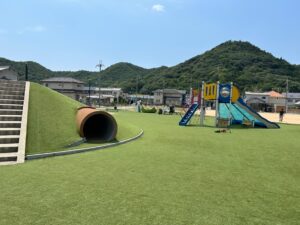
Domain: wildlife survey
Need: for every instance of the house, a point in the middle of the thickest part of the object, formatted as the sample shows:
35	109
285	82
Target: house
106	95
267	101
6	73
146	99
66	85
169	97
293	98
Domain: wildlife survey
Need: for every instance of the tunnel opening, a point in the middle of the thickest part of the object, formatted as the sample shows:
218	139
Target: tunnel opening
96	126
100	127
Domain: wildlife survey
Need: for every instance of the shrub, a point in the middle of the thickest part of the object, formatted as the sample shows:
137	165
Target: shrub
148	110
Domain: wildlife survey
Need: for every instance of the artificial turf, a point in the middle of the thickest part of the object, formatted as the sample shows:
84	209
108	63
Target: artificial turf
51	122
172	175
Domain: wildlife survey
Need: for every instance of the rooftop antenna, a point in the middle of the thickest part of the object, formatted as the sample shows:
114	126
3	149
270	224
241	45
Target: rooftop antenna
100	65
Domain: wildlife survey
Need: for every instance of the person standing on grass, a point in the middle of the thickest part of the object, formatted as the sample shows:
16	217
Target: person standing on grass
281	113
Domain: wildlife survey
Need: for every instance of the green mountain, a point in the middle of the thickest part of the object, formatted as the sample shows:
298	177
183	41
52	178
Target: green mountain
241	62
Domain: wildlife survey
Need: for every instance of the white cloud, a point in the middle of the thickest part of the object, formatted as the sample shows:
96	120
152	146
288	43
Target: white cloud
35	29
158	8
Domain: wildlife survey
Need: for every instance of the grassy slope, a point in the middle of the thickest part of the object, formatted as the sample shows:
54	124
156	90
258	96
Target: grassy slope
172	175
52	122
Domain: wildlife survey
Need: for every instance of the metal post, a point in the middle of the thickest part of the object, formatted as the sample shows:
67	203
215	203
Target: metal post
286	97
202	112
191	96
99	92
89	102
217	104
231	87
137	87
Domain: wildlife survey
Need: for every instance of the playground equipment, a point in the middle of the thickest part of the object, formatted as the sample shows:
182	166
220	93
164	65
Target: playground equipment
195	102
230	107
96	125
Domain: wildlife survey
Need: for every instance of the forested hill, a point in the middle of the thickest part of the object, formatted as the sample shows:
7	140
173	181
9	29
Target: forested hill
241	62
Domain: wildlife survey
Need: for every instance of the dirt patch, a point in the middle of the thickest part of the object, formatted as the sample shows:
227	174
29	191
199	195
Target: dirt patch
274	117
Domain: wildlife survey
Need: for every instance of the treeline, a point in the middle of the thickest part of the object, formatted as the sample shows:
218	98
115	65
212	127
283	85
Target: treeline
241	62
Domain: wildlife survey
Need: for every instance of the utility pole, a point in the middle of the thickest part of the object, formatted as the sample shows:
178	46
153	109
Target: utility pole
100	65
89	102
137	87
287	92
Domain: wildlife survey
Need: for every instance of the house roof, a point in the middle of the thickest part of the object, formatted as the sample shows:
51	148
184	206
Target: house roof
102	89
170	91
275	94
63	80
110	89
257	93
4	68
292	95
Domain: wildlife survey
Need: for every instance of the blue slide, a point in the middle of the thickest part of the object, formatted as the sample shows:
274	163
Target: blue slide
239	111
189	114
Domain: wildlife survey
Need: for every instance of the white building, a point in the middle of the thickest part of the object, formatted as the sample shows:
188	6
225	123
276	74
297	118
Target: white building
169	97
66	85
105	95
293	98
6	73
146	99
115	92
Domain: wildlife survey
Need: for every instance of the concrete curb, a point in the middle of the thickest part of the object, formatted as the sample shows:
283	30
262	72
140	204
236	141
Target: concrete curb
74	151
23	131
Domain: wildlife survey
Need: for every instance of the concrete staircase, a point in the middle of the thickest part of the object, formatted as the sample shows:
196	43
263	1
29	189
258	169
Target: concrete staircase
14	97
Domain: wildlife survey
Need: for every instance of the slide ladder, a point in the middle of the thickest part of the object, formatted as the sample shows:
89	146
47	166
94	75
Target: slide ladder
189	114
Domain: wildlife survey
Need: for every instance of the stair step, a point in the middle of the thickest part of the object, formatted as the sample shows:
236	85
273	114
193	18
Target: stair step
8	150
8	157
11	106
12	88
8	160
10	118
12	82
10	124
4	85
11	101
9	131
4	92
10	112
9	139
15	97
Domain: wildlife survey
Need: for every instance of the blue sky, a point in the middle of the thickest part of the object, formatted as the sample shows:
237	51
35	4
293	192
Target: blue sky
75	34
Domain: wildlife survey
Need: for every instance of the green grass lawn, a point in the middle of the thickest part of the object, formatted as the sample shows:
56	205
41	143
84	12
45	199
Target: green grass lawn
172	175
51	122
